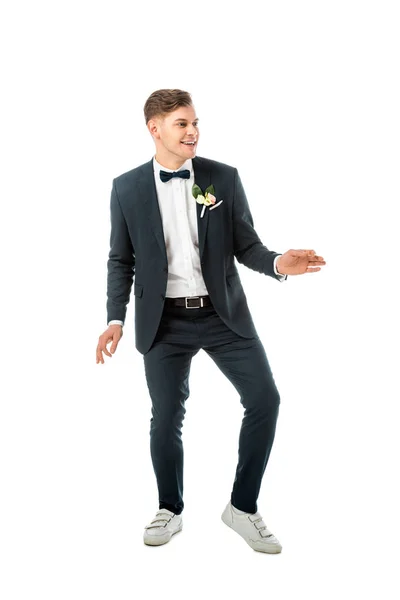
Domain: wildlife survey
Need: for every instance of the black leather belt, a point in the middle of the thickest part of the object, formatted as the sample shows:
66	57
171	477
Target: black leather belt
189	301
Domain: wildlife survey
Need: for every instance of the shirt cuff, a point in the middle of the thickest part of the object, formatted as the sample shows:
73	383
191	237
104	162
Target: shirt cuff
115	322
280	275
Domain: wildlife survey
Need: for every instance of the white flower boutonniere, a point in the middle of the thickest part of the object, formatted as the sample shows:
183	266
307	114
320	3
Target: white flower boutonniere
207	199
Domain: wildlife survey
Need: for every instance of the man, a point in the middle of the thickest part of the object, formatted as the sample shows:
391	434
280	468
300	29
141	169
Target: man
177	224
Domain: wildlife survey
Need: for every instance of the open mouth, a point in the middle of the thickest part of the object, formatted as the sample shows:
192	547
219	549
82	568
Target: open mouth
189	143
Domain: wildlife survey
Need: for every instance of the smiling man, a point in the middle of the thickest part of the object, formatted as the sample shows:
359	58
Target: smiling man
177	135
178	222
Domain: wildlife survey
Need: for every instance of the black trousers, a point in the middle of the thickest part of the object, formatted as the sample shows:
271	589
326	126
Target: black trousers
181	334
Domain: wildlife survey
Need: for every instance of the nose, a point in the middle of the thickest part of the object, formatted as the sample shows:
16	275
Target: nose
192	130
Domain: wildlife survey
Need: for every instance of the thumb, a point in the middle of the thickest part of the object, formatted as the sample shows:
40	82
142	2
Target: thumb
114	344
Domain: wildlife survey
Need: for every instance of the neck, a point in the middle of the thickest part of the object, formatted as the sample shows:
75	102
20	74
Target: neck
173	163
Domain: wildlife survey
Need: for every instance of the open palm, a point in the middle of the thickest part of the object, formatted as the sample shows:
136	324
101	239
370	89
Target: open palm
297	262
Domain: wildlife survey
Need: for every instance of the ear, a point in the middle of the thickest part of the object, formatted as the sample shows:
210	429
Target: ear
152	126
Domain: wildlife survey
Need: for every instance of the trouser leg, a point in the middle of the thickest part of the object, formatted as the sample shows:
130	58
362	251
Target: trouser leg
245	364
167	368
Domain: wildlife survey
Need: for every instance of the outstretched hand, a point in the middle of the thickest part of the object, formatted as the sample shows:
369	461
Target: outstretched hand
297	262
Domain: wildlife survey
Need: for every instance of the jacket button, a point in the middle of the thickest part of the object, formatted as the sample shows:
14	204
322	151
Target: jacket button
165	269
162	296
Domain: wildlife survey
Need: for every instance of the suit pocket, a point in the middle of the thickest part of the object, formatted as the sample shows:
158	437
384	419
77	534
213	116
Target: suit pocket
138	289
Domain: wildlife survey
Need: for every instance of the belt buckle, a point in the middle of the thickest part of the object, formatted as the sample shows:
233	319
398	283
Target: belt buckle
191	298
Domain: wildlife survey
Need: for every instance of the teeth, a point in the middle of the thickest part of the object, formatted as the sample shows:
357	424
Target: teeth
189	143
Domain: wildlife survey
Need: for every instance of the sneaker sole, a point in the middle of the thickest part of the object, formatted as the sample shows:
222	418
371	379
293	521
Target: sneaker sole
160	540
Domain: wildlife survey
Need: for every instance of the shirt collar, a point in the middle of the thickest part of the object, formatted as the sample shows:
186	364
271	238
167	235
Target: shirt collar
186	165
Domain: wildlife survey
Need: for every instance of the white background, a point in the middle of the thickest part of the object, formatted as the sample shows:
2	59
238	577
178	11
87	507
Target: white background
303	98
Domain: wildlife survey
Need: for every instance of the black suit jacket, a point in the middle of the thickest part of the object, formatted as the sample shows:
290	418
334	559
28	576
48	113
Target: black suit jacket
138	253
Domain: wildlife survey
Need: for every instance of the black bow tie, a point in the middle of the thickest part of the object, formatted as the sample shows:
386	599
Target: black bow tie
167	175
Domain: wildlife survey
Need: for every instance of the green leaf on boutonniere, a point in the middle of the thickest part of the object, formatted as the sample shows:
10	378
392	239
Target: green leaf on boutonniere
210	190
196	191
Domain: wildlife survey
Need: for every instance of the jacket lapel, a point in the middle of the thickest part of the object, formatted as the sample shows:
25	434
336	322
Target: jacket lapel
148	192
202	177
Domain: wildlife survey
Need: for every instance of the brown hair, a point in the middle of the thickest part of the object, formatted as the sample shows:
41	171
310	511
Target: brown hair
162	102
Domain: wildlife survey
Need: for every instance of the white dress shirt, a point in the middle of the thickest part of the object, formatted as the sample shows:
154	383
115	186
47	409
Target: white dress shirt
179	219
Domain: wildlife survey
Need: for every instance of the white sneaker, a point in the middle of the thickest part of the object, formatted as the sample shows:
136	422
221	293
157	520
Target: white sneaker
162	528
252	529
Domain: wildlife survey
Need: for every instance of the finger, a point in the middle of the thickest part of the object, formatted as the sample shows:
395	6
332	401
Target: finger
99	356
312	269
103	346
302	253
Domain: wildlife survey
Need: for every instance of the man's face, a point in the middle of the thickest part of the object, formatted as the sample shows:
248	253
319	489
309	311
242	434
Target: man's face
171	134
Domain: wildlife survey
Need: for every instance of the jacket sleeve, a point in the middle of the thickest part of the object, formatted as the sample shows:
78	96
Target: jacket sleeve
121	262
247	246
